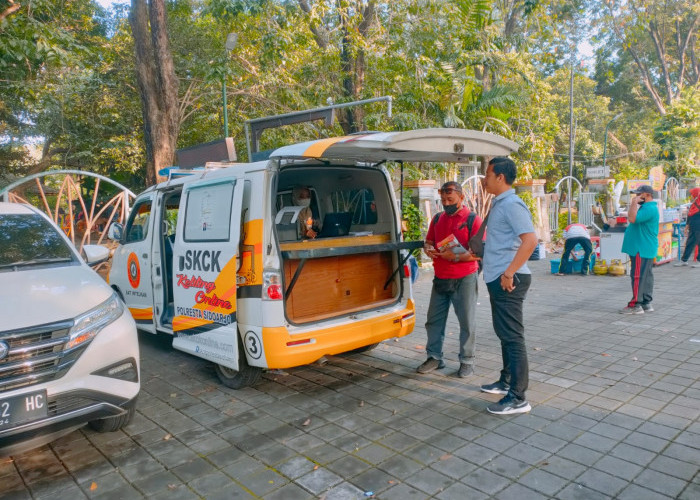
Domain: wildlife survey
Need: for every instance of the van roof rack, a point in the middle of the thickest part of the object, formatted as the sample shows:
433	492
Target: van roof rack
176	172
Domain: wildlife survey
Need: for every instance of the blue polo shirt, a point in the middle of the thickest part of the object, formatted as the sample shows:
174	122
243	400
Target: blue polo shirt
642	235
508	219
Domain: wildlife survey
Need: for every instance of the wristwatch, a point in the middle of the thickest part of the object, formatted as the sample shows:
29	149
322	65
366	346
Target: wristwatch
456	259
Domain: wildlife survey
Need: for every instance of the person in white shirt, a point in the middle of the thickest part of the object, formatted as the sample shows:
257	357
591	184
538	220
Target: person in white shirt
308	227
576	234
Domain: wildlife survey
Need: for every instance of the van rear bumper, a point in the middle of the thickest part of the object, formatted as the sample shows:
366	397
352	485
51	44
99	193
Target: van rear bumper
73	409
284	350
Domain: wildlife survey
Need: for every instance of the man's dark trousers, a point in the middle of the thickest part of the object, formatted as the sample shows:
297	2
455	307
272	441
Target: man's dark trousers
507	316
642	281
569	245
693	239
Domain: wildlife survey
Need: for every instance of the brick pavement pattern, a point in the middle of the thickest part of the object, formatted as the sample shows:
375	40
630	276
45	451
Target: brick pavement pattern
615	412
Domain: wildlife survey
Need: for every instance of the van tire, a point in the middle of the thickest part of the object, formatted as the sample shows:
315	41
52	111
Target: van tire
245	377
366	348
111	424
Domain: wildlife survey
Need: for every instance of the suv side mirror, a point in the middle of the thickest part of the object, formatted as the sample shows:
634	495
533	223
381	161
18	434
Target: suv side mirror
95	254
115	231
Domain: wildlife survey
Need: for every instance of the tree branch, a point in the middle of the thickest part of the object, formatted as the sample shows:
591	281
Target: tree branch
660	47
11	9
320	33
683	47
643	70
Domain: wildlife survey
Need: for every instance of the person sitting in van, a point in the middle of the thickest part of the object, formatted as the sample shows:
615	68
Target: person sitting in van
308	226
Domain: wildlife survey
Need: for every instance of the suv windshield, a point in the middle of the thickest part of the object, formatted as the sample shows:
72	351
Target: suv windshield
30	239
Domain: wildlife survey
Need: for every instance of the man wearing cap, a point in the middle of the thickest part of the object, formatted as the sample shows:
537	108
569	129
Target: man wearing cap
641	243
456	273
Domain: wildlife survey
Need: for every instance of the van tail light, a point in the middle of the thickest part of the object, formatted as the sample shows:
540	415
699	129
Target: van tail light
407	270
272	286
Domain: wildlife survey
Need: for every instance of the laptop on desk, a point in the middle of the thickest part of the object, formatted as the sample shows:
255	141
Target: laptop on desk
336	224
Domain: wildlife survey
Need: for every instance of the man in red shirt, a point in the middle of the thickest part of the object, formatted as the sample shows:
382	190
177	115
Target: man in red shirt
455	281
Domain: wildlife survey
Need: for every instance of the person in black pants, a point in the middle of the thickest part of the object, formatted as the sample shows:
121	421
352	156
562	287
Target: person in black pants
576	234
510	240
692	229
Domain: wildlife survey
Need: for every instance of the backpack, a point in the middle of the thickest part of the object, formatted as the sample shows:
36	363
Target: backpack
469	223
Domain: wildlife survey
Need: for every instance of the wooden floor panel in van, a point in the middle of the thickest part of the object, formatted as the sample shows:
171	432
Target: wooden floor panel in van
332	286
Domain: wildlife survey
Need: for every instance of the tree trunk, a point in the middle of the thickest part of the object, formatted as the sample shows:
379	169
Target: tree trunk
353	67
155	73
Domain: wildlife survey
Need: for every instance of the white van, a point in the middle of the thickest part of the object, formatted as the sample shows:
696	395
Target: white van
216	258
69	352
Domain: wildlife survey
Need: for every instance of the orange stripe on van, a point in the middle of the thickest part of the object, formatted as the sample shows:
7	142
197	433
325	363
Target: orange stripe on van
181	323
317	149
141	314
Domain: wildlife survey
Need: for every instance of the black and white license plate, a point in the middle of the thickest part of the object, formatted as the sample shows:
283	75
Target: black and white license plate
24	408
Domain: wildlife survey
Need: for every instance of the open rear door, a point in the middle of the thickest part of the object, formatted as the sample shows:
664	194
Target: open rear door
423	145
204	274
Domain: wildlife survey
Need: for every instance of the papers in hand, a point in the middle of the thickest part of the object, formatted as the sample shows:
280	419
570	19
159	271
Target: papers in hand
451	243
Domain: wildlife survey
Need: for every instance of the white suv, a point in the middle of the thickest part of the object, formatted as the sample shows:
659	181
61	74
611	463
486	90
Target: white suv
69	351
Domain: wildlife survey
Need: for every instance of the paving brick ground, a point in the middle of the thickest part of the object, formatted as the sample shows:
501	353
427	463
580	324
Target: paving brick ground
615	412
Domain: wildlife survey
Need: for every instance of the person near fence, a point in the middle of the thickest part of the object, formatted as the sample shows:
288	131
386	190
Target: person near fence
510	240
692	230
641	243
576	234
455	280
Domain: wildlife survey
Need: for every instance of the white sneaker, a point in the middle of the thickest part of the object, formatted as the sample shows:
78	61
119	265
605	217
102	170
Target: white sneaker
697	264
681	264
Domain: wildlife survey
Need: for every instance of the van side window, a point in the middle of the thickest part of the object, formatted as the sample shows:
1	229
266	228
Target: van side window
137	227
208	212
359	202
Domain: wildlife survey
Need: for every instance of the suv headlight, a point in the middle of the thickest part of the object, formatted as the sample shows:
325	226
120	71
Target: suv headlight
89	324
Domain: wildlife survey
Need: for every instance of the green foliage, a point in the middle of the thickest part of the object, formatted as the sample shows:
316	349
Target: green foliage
414	221
563	221
69	94
678	135
530	203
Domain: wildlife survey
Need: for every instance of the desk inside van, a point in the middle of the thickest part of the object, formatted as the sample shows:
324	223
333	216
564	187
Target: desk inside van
344	245
341	275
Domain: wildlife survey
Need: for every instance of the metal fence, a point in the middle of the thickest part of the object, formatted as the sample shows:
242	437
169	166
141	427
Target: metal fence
553	212
585	203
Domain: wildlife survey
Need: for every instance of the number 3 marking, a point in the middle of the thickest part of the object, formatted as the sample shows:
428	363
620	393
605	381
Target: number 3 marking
252	344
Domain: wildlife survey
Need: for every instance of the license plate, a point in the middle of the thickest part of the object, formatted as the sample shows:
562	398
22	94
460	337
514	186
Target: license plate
21	409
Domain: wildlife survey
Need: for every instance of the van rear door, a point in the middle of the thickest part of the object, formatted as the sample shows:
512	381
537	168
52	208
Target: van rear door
444	145
204	274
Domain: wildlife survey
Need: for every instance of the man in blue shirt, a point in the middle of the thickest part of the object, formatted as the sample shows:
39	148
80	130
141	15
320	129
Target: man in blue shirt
641	244
510	240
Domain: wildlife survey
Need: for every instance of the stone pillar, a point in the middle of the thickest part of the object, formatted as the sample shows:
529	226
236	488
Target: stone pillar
424	196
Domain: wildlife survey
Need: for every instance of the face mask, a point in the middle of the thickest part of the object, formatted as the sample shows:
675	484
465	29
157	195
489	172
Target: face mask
304	202
450	209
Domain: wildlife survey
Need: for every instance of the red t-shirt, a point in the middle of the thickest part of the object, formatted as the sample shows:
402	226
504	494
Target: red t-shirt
446	225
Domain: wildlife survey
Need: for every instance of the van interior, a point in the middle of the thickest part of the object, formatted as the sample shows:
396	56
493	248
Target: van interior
338	272
171	205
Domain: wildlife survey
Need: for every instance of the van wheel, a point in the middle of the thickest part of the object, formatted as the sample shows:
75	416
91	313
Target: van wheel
366	348
111	424
245	377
